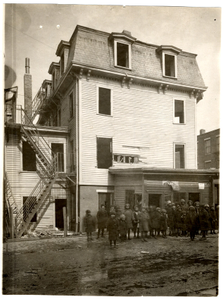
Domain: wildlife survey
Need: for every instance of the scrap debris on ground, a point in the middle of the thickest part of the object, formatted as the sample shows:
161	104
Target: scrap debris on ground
72	266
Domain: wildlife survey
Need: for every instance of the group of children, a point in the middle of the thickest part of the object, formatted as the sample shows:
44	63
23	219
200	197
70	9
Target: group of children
176	220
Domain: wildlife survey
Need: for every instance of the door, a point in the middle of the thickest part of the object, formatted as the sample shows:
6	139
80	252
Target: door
105	199
194	197
58	150
154	200
59	204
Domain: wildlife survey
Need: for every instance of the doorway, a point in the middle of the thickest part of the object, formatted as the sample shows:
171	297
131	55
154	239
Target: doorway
59	204
154	200
194	197
58	150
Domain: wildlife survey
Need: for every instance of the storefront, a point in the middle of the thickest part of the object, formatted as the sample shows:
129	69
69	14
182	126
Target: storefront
145	186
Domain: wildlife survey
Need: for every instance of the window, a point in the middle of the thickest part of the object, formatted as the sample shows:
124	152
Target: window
207	146
208	164
169	65
28	206
104	101
62	64
179	112
71	109
122	55
104	153
217	143
72	156
106	199
179	157
29	158
58	150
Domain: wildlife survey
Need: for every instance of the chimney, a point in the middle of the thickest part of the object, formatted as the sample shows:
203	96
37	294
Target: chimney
202	131
28	90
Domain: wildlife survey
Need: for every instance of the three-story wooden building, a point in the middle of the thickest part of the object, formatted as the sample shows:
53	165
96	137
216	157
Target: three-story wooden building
130	110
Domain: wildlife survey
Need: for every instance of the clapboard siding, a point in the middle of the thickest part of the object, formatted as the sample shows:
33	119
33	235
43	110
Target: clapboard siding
142	119
23	182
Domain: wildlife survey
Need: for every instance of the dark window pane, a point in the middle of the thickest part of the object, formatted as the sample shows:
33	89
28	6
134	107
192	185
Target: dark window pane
169	65
179	111
179	157
29	158
104	153
104	101
122	55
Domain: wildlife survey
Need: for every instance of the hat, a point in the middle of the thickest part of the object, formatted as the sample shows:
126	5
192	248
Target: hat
88	211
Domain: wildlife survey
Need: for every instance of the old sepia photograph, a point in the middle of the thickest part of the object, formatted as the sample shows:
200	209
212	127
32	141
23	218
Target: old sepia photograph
111	150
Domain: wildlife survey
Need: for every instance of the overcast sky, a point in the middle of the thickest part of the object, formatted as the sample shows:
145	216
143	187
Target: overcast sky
35	30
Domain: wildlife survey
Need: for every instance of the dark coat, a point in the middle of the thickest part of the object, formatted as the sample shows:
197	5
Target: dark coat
204	219
113	228
102	217
178	219
163	222
135	220
89	223
143	221
129	218
122	227
155	220
191	221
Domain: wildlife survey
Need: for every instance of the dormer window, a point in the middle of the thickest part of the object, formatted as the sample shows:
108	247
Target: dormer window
63	51
62	69
122	55
169	60
122	43
169	65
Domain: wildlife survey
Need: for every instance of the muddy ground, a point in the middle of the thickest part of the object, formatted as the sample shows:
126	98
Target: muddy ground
73	266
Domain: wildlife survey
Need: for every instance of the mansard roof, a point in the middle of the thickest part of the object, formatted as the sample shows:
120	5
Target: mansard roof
94	48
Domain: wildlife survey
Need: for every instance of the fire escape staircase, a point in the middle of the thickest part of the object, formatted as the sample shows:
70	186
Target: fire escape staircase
46	164
9	206
46	169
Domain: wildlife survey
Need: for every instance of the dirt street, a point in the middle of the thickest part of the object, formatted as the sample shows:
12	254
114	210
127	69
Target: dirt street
73	266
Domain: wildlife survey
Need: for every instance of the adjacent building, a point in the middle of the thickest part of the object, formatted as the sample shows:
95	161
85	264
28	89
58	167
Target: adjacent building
208	149
120	116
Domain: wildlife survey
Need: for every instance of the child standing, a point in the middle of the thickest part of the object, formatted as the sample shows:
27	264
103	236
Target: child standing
163	223
112	228
136	222
89	224
144	224
122	227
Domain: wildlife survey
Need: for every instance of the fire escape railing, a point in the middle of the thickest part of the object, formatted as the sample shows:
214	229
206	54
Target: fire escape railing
46	169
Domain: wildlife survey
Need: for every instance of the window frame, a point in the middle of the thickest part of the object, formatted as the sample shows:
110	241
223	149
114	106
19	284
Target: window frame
205	148
164	67
184	112
174	154
98	100
71	111
129	54
100	192
111	151
207	162
26	146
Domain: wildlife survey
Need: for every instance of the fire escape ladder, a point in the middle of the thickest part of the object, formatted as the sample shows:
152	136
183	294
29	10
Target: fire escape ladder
46	169
33	204
31	134
10	201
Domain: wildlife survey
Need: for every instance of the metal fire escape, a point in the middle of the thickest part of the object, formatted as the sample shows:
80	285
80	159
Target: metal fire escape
46	169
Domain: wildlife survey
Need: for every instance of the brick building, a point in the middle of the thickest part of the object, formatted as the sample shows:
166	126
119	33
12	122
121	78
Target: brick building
129	109
208	149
